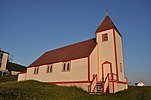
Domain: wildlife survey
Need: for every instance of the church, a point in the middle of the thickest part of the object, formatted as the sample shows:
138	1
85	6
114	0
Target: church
95	65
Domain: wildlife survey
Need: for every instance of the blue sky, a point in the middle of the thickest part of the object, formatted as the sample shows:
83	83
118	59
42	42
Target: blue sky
28	28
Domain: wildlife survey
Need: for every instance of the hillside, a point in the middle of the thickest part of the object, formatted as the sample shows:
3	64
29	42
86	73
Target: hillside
8	78
34	90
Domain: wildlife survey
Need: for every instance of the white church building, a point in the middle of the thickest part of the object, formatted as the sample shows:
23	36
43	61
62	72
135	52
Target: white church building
96	65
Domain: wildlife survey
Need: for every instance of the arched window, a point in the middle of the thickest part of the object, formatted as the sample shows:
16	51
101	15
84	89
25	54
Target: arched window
66	66
36	70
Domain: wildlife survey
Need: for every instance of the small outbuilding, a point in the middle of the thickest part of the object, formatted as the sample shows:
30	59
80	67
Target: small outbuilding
140	83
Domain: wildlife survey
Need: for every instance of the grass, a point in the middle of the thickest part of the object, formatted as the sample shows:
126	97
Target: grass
7	78
34	90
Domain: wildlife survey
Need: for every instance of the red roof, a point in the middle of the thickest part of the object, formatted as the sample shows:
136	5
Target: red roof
74	51
107	24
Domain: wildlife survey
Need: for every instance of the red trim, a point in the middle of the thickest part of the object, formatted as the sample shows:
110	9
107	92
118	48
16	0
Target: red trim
88	68
115	52
70	82
104	30
113	86
110	29
22	73
121	82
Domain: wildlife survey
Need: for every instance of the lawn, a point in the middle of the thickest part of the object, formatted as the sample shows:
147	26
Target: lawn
34	90
8	78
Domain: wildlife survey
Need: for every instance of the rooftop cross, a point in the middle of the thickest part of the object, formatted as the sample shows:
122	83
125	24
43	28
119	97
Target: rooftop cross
106	12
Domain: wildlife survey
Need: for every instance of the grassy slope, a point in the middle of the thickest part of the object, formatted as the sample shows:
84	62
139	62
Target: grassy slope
33	90
8	78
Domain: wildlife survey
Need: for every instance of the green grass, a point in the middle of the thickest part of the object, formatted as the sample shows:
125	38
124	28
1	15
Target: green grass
34	90
7	78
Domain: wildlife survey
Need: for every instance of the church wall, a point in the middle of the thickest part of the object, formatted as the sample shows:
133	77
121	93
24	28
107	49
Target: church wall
78	72
22	77
119	87
120	61
93	63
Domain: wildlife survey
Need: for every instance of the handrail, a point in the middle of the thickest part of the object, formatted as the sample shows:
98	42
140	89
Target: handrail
93	83
105	83
109	77
112	76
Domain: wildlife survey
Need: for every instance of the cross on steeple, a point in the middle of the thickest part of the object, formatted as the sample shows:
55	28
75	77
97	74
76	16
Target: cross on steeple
106	12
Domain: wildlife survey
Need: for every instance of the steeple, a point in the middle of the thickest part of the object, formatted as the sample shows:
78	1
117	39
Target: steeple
106	25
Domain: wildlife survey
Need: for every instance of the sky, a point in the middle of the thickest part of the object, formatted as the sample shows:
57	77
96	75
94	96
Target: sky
29	28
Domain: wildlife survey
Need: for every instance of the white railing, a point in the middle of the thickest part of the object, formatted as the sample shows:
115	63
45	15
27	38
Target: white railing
105	83
109	77
112	76
93	83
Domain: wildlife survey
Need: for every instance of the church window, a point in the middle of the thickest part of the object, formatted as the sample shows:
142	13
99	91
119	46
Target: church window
104	37
36	70
66	66
49	68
